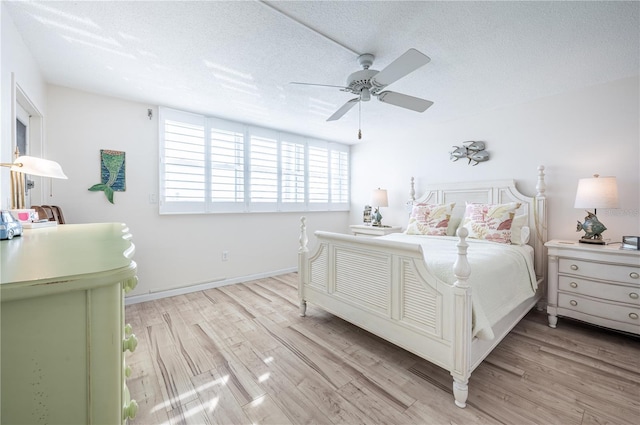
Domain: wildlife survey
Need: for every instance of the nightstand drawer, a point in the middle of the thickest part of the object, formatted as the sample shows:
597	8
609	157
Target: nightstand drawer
592	270
619	313
616	293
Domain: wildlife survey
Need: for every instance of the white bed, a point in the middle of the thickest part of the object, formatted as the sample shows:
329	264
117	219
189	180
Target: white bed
422	298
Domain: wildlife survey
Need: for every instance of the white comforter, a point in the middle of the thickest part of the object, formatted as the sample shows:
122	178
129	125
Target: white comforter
502	275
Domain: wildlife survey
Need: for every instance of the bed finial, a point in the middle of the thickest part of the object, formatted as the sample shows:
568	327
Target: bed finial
541	186
461	268
412	192
412	197
303	235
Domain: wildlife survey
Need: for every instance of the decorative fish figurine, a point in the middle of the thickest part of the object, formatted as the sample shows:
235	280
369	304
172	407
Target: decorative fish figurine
592	227
478	157
474	146
460	152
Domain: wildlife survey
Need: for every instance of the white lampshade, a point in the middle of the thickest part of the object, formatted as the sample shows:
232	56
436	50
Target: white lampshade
38	167
379	198
597	192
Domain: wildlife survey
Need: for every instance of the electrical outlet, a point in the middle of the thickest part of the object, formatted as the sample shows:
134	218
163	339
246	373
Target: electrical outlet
225	255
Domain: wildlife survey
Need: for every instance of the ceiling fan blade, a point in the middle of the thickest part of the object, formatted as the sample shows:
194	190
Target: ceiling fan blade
404	65
320	85
343	109
405	101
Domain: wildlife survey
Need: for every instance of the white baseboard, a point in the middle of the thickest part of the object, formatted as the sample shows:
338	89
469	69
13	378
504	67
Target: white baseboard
134	299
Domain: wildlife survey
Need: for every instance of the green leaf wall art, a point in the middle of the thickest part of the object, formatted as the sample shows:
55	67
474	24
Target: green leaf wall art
112	172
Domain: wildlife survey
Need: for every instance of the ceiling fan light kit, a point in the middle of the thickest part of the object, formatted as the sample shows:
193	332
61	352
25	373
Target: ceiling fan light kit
367	82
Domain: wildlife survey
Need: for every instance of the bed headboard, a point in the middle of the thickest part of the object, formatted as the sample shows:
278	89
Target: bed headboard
496	192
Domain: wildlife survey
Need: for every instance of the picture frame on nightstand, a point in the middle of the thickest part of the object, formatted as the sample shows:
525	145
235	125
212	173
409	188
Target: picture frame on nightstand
366	215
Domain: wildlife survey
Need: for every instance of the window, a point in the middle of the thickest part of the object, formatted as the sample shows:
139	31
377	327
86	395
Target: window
212	165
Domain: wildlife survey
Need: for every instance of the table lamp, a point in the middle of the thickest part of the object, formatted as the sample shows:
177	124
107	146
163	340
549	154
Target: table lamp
33	166
595	192
379	198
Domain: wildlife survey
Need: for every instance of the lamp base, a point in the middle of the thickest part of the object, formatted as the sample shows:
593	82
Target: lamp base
592	241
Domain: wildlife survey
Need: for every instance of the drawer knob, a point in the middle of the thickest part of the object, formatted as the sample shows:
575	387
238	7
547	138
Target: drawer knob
130	411
574	267
128	330
634	316
127	371
634	275
130	284
130	343
573	285
633	295
573	303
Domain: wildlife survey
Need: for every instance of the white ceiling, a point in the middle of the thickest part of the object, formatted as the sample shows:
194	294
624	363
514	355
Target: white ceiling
235	59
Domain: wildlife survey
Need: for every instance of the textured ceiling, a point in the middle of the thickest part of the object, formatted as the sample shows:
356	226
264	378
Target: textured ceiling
235	59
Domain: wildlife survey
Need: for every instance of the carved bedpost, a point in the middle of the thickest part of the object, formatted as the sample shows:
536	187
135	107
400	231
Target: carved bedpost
412	197
463	324
540	216
302	264
412	192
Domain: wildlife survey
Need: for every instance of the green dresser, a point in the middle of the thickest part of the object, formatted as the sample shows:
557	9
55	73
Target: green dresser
63	331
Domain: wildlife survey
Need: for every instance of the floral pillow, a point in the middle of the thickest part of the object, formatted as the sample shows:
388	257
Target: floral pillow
429	219
490	222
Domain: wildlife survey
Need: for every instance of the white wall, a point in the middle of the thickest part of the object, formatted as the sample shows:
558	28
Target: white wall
171	250
574	135
17	60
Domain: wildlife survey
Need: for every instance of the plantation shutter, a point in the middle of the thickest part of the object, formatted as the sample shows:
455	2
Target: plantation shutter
293	175
263	171
339	178
318	175
215	165
182	167
227	160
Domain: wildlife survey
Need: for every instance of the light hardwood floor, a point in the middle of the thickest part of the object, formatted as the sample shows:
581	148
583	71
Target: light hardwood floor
240	354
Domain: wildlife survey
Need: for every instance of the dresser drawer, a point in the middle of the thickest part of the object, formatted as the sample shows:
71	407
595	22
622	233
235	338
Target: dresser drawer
619	313
605	291
610	272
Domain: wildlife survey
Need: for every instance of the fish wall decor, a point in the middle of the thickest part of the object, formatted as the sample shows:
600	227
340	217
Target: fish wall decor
112	173
472	150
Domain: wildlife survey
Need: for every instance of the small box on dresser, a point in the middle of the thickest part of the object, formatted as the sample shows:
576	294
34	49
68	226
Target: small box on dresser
598	284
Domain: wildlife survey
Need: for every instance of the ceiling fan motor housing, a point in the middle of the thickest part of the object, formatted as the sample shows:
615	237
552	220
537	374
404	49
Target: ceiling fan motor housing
360	80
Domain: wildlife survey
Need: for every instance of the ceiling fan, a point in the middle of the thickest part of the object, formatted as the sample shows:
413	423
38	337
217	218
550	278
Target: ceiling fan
370	82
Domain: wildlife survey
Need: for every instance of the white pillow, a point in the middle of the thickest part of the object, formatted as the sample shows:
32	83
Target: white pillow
518	235
524	235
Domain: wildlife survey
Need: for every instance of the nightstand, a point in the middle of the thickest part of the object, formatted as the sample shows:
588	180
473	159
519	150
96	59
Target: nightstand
598	284
371	231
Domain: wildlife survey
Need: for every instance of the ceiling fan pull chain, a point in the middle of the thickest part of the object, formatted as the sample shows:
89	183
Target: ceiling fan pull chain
359	120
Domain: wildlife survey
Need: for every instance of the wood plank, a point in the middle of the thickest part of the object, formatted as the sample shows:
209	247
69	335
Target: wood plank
264	411
220	405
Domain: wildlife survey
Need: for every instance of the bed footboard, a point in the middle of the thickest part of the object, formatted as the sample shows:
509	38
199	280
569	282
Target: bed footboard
386	288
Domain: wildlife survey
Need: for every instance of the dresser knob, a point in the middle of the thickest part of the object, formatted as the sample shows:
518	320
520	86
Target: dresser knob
634	316
130	284
573	285
574	267
634	275
127	371
633	295
130	411
130	343
573	303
